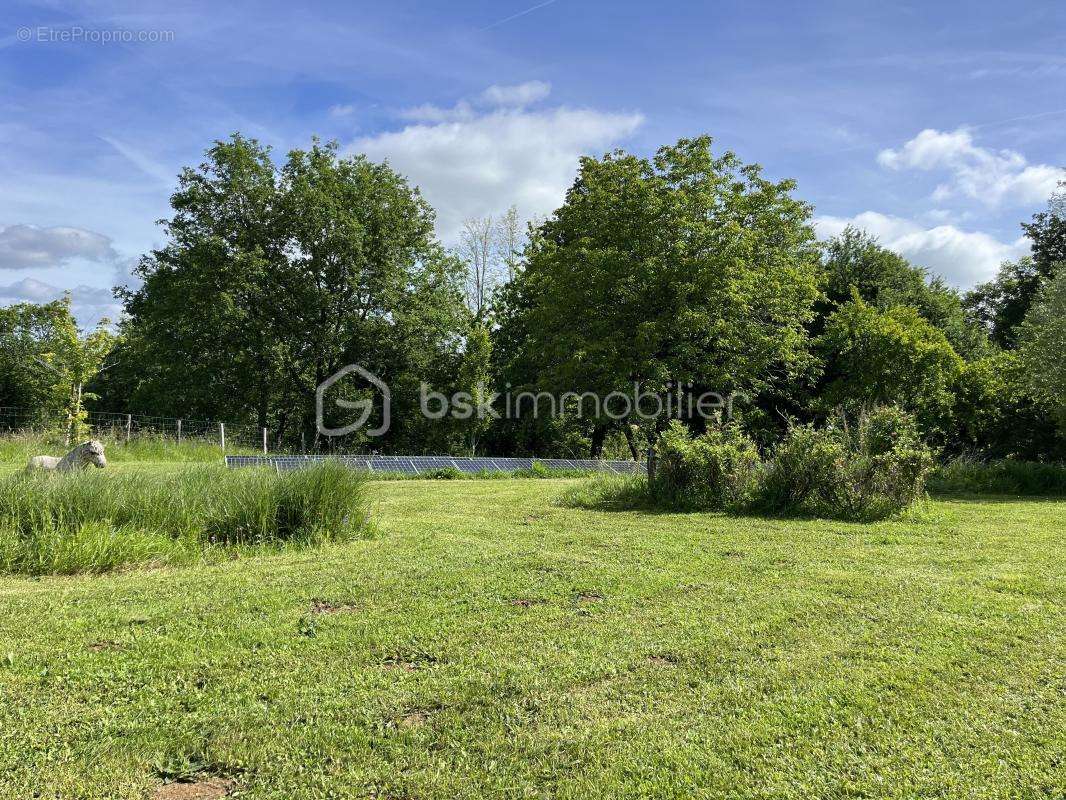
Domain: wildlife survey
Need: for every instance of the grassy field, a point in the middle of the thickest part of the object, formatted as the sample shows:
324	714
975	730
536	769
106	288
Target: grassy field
490	642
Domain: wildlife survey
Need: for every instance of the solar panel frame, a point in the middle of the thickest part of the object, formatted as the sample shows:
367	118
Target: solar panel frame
416	465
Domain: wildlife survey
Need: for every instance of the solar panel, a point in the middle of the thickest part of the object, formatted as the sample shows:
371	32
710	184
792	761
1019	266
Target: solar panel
415	465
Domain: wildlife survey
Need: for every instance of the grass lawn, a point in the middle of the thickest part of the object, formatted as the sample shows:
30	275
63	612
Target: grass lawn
492	643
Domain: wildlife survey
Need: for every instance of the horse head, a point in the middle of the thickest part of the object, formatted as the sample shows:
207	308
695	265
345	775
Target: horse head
92	452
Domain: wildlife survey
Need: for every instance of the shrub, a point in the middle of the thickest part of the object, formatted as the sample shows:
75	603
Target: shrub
718	470
868	468
1000	477
101	519
881	469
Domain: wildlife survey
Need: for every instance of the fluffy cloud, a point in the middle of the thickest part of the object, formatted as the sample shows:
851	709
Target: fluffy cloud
977	172
472	162
27	246
90	304
963	258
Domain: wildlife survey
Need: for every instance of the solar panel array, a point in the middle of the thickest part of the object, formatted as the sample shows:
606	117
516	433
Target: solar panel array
415	465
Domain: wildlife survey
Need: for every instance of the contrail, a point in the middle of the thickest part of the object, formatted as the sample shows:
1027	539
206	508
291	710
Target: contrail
516	16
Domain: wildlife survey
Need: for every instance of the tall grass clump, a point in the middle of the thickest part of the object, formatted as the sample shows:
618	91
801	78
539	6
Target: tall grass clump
17	447
92	521
1025	478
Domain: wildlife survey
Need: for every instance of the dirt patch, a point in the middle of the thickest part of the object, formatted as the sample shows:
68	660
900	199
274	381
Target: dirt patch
525	602
588	597
330	607
106	644
413	719
663	660
409	662
205	789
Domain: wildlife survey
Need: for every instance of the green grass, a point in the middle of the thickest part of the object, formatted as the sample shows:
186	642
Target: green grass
95	520
16	449
491	642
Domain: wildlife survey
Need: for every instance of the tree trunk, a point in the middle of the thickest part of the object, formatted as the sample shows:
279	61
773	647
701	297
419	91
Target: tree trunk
599	434
628	429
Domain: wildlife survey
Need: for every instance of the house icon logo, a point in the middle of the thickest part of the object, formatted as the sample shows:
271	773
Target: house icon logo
365	407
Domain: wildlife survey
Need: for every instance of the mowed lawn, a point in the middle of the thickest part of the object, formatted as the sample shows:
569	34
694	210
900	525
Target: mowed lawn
490	642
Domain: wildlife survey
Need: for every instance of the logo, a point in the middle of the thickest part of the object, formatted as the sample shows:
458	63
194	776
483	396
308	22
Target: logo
365	406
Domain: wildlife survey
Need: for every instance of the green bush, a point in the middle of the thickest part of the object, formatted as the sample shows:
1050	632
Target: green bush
867	468
879	470
99	519
1028	478
718	470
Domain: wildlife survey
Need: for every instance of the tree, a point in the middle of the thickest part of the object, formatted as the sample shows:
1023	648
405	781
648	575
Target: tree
275	278
1001	304
47	361
475	384
1042	347
885	279
891	357
477	248
684	269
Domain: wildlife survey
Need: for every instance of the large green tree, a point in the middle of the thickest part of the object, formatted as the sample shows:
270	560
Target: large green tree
885	279
687	268
893	357
273	278
1042	347
46	361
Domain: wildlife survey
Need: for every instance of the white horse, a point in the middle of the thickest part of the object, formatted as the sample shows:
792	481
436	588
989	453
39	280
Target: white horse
83	455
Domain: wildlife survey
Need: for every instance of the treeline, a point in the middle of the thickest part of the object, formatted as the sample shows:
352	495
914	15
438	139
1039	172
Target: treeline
686	269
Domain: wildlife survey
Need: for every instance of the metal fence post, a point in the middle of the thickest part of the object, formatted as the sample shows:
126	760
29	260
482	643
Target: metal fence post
129	427
222	434
179	431
264	441
652	464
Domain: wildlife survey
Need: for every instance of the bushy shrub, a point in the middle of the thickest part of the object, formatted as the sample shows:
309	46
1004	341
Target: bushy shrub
718	470
864	468
880	470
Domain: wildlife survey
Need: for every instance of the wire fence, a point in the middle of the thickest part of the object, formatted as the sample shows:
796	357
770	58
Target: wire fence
127	428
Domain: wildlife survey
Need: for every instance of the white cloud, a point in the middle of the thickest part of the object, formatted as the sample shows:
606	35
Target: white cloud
518	95
89	304
471	163
963	258
28	246
342	110
977	172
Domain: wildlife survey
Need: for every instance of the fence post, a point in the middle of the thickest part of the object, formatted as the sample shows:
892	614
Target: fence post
222	433
264	441
179	431
652	464
129	427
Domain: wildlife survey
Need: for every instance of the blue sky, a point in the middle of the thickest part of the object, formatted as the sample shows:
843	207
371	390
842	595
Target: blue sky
937	126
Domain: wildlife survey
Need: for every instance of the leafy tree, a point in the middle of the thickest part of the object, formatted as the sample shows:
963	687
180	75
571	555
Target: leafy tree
275	278
891	357
885	279
684	269
46	362
1042	347
995	417
1002	303
475	382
